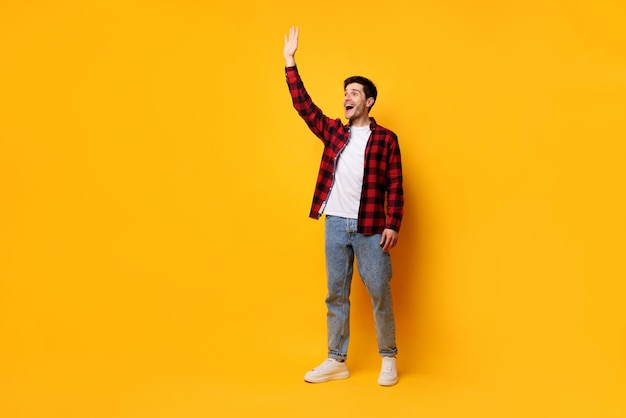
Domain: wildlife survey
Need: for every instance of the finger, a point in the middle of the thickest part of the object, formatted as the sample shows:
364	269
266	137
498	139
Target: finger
384	243
390	243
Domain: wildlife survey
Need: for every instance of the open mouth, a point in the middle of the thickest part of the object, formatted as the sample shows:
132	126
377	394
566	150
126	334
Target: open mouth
349	107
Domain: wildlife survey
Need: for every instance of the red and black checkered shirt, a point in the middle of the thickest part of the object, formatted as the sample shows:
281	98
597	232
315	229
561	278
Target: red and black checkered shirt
382	177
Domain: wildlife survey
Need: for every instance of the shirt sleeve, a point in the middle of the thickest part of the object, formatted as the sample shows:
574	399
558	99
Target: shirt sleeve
395	193
321	125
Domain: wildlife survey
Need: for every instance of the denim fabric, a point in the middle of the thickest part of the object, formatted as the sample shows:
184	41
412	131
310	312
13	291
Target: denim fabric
342	244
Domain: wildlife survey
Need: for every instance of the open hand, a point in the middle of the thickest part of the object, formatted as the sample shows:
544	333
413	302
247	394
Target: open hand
291	46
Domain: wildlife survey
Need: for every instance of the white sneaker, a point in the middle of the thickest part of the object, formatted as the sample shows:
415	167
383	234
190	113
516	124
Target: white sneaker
330	369
388	373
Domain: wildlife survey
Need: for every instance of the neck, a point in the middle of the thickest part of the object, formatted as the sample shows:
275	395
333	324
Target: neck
361	122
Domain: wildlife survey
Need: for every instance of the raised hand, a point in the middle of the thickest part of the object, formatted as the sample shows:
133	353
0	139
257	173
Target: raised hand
291	46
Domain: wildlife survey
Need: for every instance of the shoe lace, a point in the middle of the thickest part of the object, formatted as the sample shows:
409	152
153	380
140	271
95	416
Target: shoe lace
388	366
325	364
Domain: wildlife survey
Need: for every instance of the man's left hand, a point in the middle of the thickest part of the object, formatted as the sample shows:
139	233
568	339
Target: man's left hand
388	239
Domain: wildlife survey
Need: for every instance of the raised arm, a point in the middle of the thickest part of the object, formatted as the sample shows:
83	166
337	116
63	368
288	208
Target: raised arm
320	124
291	46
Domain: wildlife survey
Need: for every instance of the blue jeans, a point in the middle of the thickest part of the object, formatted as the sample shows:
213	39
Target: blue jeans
342	243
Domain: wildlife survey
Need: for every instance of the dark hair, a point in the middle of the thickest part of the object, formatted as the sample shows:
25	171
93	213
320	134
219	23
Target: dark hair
368	87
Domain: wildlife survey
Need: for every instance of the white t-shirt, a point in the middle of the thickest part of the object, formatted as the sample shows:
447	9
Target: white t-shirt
345	196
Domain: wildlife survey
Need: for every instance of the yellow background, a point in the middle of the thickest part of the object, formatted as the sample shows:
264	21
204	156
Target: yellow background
156	255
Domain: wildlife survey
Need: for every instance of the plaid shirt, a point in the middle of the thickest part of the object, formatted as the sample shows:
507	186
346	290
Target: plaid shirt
382	177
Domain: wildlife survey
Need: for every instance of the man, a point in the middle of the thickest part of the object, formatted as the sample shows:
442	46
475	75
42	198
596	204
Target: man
360	172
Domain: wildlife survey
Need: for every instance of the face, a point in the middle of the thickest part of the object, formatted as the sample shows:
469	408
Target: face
355	104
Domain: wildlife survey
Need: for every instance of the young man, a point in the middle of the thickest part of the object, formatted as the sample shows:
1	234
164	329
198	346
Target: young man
360	173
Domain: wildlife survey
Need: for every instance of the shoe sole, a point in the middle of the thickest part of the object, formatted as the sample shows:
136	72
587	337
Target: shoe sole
336	376
388	382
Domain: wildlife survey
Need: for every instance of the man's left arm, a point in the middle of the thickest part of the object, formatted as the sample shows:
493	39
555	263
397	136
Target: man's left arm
395	197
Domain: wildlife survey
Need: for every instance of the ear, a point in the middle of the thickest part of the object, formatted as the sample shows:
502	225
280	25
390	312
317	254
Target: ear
369	102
